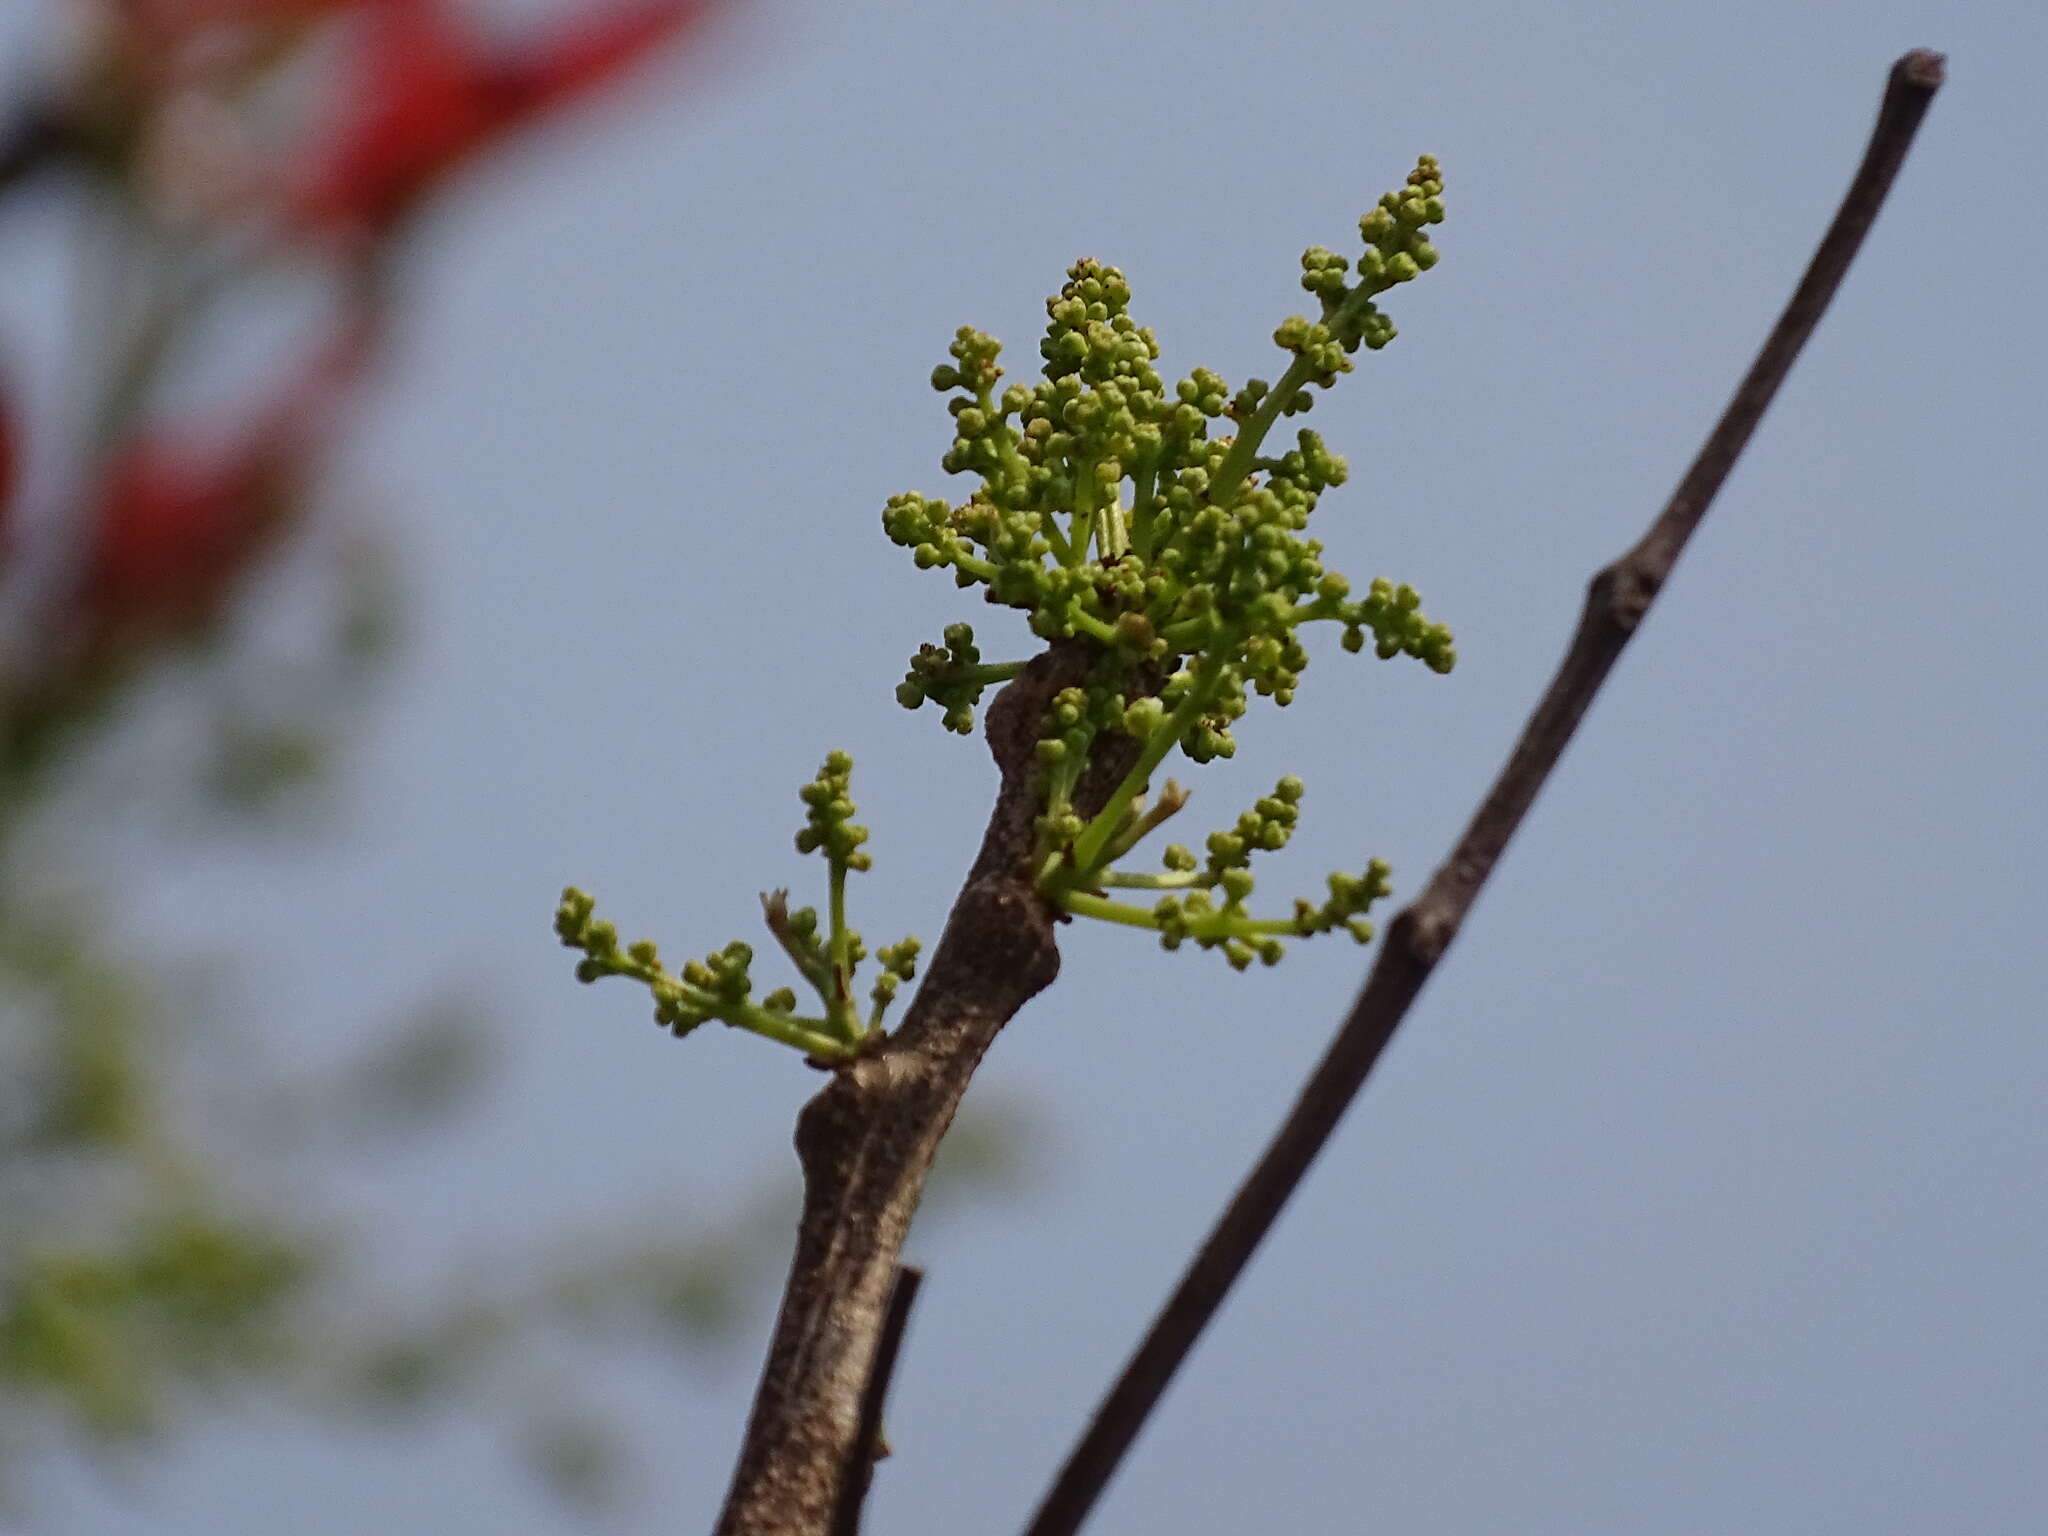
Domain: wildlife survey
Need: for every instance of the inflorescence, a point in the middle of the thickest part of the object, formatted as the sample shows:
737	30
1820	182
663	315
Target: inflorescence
1107	511
720	985
1110	516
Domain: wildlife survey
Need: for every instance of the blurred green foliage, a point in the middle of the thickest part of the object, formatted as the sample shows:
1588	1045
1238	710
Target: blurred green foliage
170	1233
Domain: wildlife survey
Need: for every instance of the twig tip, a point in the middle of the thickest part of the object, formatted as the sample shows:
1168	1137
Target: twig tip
1922	68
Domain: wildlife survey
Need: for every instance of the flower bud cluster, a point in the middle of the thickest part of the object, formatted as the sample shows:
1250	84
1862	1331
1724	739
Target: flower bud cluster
1265	828
1350	897
899	964
1152	521
948	676
707	988
1076	717
825	955
1107	509
829	825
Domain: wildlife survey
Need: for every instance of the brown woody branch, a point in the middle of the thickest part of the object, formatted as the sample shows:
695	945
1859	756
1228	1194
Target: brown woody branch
868	1445
1615	603
866	1142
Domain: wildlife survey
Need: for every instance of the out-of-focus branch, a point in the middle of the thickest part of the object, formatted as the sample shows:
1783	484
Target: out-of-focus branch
868	1446
1416	940
31	140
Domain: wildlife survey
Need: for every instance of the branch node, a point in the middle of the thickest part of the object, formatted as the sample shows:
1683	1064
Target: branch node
1622	592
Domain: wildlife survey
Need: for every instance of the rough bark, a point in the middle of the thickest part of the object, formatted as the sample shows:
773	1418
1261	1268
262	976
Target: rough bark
866	1141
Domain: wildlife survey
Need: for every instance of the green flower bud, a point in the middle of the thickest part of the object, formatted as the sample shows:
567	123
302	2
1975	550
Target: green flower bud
1143	717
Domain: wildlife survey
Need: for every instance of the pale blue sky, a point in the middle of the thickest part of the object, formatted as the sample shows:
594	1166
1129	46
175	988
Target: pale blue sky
1703	1191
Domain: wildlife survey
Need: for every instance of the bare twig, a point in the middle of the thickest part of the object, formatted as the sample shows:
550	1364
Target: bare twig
1417	938
867	1446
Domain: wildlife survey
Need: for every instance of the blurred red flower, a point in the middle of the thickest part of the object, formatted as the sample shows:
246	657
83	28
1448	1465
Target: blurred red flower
422	95
171	530
176	518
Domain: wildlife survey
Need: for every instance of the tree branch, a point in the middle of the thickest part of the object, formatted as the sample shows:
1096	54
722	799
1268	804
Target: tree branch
867	1445
866	1142
1615	603
32	140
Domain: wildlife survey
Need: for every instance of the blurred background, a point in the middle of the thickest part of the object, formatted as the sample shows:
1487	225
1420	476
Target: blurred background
441	451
